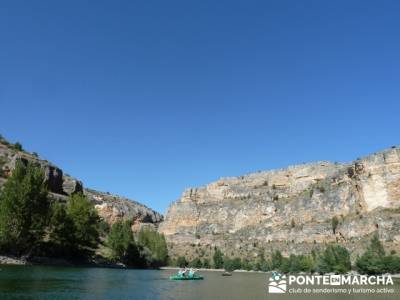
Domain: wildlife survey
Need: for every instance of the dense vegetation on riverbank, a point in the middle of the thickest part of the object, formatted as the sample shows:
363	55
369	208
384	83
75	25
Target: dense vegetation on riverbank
32	225
334	259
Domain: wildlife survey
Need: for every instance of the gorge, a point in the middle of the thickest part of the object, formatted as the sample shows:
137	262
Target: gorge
293	210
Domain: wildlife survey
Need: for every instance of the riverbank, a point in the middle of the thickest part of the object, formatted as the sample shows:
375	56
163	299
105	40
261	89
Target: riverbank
214	270
48	261
351	273
9	260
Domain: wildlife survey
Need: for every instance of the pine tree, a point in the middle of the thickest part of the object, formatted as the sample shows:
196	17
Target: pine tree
376	246
372	261
276	260
218	259
335	258
24	209
85	219
62	241
206	263
120	240
181	262
156	244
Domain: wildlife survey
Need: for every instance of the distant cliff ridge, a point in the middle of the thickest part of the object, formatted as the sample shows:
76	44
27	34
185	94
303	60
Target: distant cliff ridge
293	210
110	207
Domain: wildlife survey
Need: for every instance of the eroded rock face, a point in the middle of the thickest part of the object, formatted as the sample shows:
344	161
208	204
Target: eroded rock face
290	210
113	208
71	185
110	207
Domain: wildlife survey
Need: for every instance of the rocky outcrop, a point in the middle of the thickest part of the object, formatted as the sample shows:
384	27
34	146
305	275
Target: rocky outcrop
290	210
113	208
71	185
110	207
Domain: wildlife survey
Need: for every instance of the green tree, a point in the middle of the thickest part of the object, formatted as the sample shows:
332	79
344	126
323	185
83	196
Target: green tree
86	221
196	263
237	263
24	209
372	261
18	146
181	262
232	264
120	240
218	259
335	258
391	264
276	260
228	264
285	266
335	223
62	241
246	265
376	246
262	264
156	244
206	263
301	263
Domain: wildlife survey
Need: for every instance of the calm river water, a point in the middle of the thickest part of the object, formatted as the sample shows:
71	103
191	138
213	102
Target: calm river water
59	283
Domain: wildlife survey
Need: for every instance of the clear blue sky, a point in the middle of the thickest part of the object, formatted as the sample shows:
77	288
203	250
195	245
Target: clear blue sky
147	98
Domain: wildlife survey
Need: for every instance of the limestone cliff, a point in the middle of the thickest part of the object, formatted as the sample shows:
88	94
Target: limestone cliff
290	210
110	207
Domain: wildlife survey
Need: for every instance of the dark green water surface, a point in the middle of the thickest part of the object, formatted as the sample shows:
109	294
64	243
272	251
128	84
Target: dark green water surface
59	283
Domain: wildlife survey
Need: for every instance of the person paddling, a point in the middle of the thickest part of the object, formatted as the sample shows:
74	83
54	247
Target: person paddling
181	272
192	272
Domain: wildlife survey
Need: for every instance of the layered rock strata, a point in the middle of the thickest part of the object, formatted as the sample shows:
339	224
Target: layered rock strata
291	210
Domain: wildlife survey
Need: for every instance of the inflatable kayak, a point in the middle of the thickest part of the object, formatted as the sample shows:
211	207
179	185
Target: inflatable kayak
177	277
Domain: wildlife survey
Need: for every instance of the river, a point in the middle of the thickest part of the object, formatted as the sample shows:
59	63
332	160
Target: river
59	283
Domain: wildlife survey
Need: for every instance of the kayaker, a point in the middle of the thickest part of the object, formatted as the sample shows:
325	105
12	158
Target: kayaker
181	272
192	272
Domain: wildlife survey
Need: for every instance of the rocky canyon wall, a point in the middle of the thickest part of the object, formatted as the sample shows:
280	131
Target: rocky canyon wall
290	210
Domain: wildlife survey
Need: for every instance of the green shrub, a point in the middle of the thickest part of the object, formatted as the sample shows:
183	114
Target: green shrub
85	219
196	263
218	259
120	240
246	265
181	262
206	264
335	259
62	241
73	228
2	163
18	146
376	246
276	260
156	244
373	261
391	264
293	223
104	228
261	263
232	264
370	264
335	223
